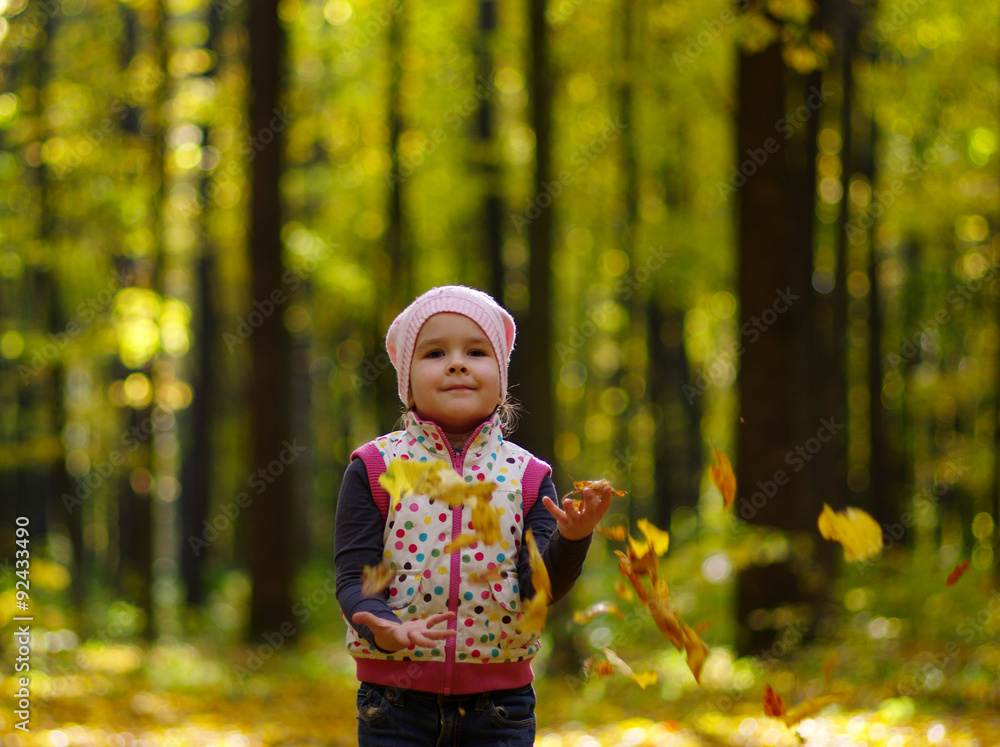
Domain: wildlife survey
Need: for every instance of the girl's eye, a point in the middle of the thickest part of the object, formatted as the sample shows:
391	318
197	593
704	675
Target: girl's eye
434	354
477	352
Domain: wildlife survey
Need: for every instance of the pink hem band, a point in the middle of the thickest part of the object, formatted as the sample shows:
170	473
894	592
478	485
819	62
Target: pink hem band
429	676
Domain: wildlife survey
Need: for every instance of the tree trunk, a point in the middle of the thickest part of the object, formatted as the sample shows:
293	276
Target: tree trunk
532	360
488	150
271	551
783	428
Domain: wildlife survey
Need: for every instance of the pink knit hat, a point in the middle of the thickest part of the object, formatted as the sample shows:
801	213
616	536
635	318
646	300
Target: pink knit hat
495	322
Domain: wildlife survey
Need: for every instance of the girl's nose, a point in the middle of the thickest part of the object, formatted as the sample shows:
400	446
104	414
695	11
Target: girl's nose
457	366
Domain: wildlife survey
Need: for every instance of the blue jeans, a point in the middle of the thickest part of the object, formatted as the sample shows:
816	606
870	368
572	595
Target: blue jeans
392	717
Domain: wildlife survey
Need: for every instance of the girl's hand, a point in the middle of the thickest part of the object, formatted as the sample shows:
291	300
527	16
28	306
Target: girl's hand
393	636
577	522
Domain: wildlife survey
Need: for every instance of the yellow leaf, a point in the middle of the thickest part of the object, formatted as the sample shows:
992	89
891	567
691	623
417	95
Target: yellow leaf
375	580
533	613
658	539
532	619
645	679
486	521
859	533
401	475
539	573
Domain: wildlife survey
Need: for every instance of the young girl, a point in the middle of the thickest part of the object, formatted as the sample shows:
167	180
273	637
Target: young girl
440	656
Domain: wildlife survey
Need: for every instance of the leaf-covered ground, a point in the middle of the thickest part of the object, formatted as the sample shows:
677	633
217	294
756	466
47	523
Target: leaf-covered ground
177	694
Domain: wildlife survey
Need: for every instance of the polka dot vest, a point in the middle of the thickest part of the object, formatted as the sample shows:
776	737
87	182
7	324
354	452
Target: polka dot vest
478	582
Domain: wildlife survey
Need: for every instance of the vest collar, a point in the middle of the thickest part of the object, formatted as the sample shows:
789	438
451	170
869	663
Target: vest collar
430	434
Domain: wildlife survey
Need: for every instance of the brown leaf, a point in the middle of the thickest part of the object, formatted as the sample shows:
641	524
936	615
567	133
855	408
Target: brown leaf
774	706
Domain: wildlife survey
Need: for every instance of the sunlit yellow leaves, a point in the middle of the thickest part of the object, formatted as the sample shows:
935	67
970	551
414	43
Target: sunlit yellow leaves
375	580
859	533
723	477
438	481
654	596
596	485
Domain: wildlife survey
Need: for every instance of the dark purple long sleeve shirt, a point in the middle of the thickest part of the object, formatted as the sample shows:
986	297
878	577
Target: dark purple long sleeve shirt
358	542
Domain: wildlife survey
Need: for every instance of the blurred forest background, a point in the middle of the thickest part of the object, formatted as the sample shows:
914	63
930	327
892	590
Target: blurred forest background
765	226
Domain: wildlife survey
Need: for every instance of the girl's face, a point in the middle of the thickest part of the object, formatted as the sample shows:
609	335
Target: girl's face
455	376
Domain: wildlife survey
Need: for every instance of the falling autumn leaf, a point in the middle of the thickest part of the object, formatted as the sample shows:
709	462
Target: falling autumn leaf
643	679
463	540
375	580
539	573
811	707
957	573
532	618
600	608
616	532
774	706
655	599
723	477
657	540
859	533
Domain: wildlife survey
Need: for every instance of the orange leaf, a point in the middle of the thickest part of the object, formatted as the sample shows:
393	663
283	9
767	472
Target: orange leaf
617	533
957	573
375	580
723	477
774	706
